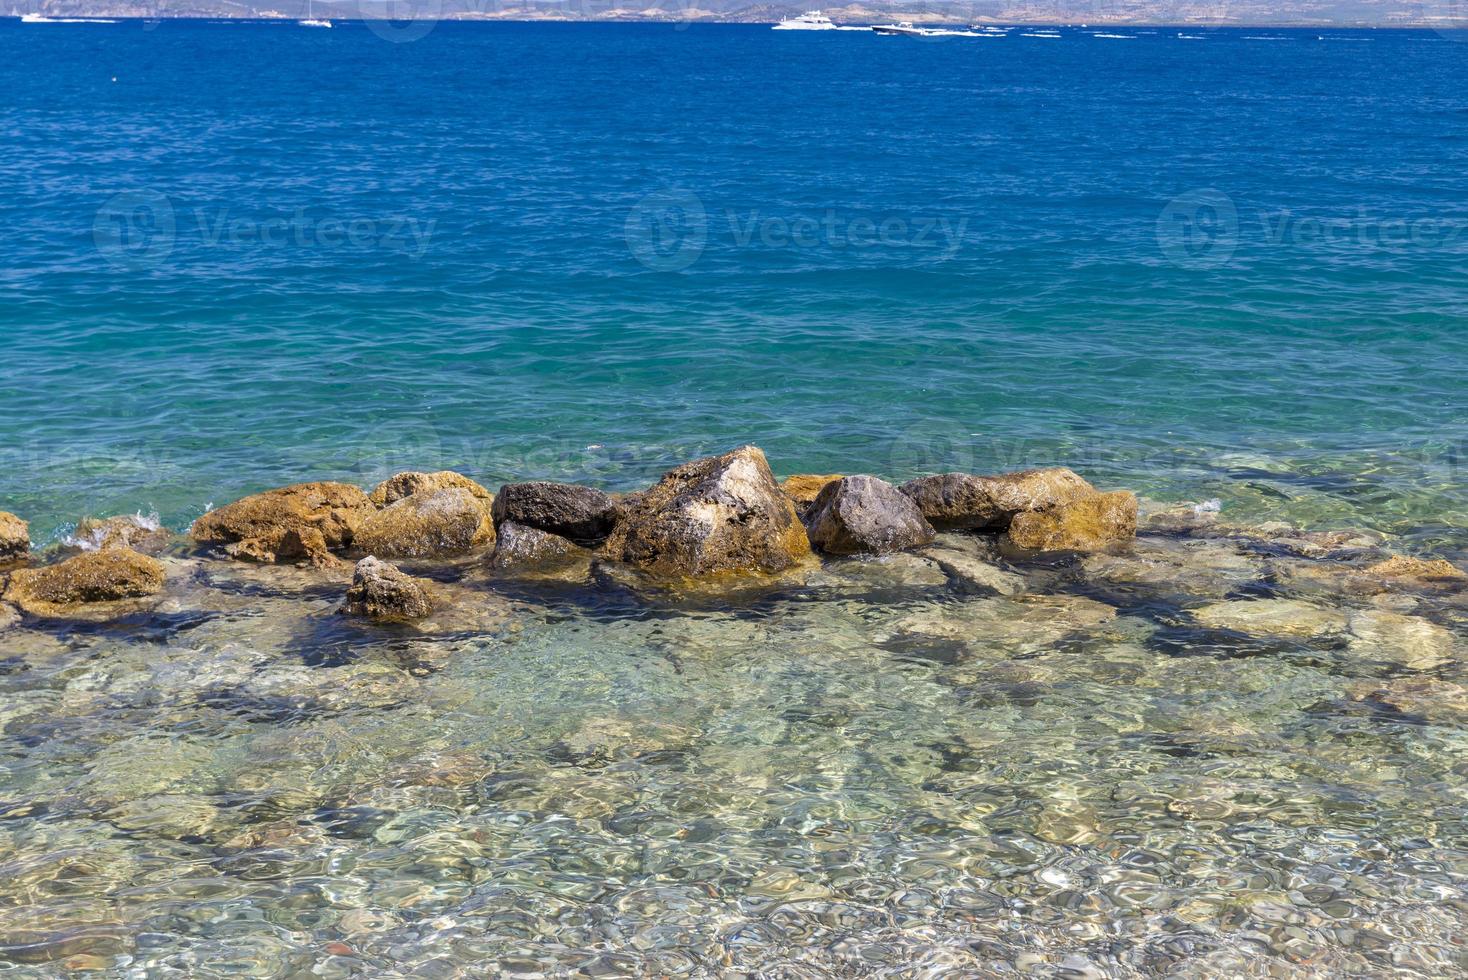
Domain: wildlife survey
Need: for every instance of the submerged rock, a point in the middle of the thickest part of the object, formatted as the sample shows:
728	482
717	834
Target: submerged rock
406	484
9	616
142	534
15	537
1427	697
1418	571
254	527
1083	524
92	577
805	487
582	514
719	514
972	570
865	515
1411	641
962	501
518	546
1271	617
428	524
381	592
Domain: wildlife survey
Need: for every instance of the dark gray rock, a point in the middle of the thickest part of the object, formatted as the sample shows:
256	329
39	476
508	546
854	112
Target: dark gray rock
519	546
582	514
382	592
865	515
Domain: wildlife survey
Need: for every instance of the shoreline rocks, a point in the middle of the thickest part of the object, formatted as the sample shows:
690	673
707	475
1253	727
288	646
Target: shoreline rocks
255	528
92	577
580	514
520	547
383	593
964	502
15	537
428	524
1083	524
142	534
803	488
713	515
410	482
865	515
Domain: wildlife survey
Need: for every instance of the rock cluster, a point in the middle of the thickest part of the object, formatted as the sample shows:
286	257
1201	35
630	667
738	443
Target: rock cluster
92	577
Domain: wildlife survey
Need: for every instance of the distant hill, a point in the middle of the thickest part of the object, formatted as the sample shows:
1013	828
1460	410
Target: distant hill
1339	13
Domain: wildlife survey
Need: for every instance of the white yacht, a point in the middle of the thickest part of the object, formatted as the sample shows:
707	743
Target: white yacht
905	28
314	22
811	20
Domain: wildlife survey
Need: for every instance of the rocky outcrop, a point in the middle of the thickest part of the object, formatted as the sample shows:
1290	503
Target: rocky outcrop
805	487
518	546
141	534
719	514
15	537
93	577
255	527
430	524
383	593
1084	524
581	514
395	488
961	501
864	515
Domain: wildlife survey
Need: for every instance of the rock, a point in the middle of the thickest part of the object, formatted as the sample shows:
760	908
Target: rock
91	577
402	485
1202	567
1271	617
865	515
15	537
960	501
9	616
518	546
428	524
719	514
256	525
974	572
381	592
1083	524
1404	569
805	487
1427	697
582	514
1410	641
142	534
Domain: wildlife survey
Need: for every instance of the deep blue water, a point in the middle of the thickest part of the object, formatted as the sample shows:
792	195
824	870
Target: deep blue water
241	255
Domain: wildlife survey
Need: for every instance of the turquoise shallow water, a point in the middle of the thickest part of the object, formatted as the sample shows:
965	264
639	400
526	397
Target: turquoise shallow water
242	255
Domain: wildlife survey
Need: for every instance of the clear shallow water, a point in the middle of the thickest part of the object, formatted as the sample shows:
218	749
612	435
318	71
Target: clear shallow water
1059	768
1226	268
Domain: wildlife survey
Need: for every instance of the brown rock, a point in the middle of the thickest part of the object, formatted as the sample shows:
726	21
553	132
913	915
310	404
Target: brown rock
141	534
1435	572
257	525
864	515
381	592
430	524
960	501
15	537
402	485
805	487
1078	525
581	514
719	514
92	577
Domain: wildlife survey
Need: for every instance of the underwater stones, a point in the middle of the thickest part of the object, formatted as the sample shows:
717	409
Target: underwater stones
803	488
92	577
1436	700
518	546
1411	641
1417	571
1271	617
142	534
406	484
975	572
864	515
603	740
583	514
1082	524
428	524
254	527
381	592
9	616
718	514
962	501
1201	567
15	537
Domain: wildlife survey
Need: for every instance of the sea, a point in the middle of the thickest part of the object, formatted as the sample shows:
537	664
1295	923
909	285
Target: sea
1224	268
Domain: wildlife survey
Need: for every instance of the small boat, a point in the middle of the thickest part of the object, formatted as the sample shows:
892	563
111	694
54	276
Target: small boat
314	22
904	28
811	20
